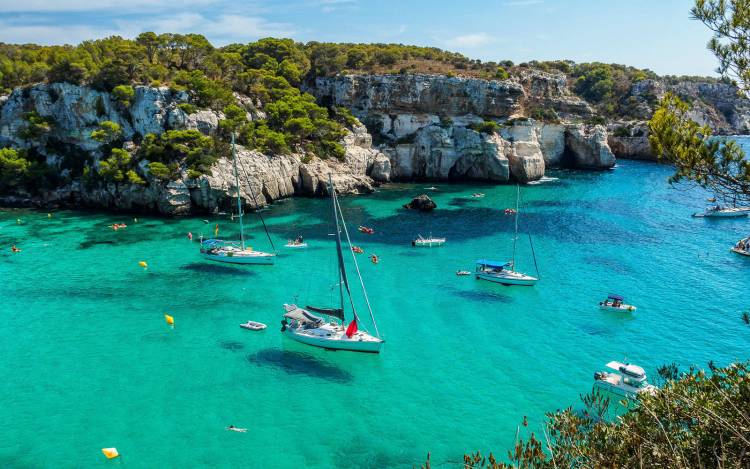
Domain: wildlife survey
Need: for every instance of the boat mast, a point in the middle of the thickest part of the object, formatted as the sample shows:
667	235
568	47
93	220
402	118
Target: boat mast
239	200
515	235
343	281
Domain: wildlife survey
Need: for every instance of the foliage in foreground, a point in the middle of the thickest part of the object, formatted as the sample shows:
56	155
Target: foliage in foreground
717	164
700	420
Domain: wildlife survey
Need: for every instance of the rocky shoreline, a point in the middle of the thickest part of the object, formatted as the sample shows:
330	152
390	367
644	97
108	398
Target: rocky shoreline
416	127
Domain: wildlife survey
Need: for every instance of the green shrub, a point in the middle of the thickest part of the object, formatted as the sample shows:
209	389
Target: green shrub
124	94
14	168
107	132
160	171
36	126
190	148
486	127
501	74
544	114
188	108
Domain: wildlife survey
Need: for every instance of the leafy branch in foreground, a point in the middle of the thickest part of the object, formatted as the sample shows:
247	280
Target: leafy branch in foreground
701	419
730	23
714	163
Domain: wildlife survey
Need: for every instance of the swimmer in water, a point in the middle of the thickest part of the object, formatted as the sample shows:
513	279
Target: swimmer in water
235	429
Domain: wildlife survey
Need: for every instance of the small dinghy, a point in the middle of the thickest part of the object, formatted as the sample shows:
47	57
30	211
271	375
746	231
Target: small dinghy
461	273
615	303
253	326
292	244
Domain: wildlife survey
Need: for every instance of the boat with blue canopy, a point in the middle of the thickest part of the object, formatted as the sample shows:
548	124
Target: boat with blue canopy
615	303
504	272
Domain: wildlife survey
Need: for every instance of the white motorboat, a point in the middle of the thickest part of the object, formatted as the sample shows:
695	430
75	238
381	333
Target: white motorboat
615	303
542	180
504	272
333	333
231	252
430	241
628	381
718	211
253	326
742	247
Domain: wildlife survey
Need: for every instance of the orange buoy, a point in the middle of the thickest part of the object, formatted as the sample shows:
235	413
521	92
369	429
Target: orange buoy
110	453
143	264
169	319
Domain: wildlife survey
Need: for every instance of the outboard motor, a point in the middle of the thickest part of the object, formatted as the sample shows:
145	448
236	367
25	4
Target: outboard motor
283	324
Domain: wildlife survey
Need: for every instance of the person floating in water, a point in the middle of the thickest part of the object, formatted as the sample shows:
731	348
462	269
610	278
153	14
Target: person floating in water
299	240
235	429
190	236
15	249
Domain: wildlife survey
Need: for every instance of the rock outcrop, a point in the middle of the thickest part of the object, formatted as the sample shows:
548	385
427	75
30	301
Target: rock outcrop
422	203
588	147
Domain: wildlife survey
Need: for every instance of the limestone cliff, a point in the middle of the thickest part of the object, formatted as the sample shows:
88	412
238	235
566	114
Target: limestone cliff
76	110
424	123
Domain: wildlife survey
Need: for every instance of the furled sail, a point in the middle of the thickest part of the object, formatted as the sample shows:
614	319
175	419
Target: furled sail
333	312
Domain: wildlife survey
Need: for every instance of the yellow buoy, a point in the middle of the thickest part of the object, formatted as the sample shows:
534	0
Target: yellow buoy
169	319
18	221
143	264
110	452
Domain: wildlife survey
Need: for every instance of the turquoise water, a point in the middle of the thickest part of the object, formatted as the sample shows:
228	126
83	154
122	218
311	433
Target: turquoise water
87	361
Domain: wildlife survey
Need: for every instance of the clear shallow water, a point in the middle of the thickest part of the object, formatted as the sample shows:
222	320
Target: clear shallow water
88	362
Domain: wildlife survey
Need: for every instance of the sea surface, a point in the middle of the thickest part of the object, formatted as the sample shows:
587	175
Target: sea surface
87	360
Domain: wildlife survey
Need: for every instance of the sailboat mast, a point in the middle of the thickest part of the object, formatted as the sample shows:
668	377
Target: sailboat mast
344	282
515	234
239	200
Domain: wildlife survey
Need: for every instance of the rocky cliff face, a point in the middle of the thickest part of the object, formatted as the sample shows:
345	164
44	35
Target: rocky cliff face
424	124
717	105
75	111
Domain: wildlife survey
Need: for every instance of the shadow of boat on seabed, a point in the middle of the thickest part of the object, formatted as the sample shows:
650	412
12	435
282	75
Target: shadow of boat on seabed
297	363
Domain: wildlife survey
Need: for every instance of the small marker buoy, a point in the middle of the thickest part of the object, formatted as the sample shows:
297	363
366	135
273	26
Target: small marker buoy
49	215
110	453
143	264
135	220
18	221
169	319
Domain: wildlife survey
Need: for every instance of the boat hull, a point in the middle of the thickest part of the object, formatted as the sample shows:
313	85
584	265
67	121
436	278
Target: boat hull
350	345
260	259
427	244
619	309
730	213
740	252
522	280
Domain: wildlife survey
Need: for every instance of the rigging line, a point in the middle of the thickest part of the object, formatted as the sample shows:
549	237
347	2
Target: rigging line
356	266
533	255
255	201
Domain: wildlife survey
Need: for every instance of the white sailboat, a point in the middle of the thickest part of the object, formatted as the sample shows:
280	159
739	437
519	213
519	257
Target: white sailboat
504	272
220	250
332	332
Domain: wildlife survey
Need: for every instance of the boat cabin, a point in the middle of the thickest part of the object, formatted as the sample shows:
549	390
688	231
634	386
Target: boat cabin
306	319
632	375
485	265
